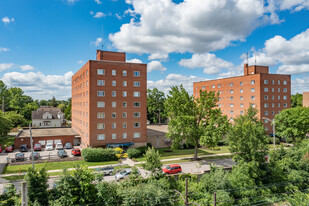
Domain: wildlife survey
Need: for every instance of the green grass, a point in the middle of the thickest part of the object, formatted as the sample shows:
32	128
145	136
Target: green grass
204	158
52	166
6	141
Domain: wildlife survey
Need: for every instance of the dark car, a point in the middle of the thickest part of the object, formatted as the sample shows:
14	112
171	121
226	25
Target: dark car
23	148
172	169
76	152
68	146
0	149
105	170
62	153
9	148
36	155
37	147
19	157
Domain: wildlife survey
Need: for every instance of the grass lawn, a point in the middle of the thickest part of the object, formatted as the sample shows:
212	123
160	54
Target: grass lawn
6	141
52	166
203	158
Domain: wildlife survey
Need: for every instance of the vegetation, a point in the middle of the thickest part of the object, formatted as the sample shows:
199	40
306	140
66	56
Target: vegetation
152	161
98	154
155	106
133	153
296	100
10	197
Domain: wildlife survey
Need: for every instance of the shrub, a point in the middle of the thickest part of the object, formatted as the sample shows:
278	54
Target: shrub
134	153
142	149
271	140
98	154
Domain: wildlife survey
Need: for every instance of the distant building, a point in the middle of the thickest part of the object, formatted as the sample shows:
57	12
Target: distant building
268	93
47	116
109	101
156	135
306	99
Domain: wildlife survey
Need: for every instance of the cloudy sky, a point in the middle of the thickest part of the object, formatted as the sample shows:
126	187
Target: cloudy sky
43	43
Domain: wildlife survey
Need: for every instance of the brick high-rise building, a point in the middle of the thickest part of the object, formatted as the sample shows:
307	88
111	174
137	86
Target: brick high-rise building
305	99
109	101
268	93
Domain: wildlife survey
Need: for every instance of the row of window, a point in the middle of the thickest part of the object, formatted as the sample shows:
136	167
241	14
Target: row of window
253	97
101	104
266	113
252	83
101	115
114	83
266	105
114	125
252	90
124	93
114	72
114	136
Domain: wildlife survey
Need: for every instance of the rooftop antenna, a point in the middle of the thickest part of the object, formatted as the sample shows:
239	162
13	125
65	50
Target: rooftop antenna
102	38
254	58
248	58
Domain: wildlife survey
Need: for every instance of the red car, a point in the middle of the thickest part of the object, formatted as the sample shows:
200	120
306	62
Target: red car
9	149
76	152
37	147
172	169
0	149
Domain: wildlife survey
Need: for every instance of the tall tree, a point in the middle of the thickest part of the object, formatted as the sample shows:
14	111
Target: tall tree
4	95
15	119
17	99
191	118
296	100
247	138
68	109
5	125
27	110
293	123
155	106
152	161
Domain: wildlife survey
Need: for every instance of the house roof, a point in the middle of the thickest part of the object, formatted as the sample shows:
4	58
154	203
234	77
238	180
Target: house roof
156	130
39	114
47	132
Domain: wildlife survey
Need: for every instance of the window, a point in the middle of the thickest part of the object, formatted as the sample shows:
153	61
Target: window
252	82
219	92
100	126
272	113
241	91
219	105
136	104
114	136
278	104
285	97
219	85
252	89
272	89
278	97
101	136
232	112
231	91
114	72
241	105
265	81
124	73
272	81
101	93
231	105
113	93
278	81
203	87
241	83
113	125
136	84
241	112
114	83
137	125
285	105
266	128
124	115
136	114
241	98
136	135
124	104
136	94
124	83
266	105
231	84
124	93
219	98
100	115
231	98
272	104
113	104
124	135
124	125
113	114
265	89
266	113
265	97
278	89
252	105
273	97
285	82
100	104
285	90
101	83
100	71
252	97
136	74
266	121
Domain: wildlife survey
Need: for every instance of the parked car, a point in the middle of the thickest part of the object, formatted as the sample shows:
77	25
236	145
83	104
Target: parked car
68	145
62	153
9	148
36	156
59	146
124	174
49	146
76	152
105	170
0	149
37	147
23	148
172	169
19	157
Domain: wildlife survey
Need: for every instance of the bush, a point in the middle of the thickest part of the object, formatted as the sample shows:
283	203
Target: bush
134	153
271	140
149	144
98	154
142	149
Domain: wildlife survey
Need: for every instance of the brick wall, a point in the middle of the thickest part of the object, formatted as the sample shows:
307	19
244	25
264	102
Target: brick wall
26	140
306	99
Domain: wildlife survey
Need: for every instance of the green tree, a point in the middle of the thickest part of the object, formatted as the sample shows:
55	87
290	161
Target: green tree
15	119
4	94
37	186
194	121
296	100
68	109
107	193
155	106
43	102
293	123
17	99
28	109
152	161
5	125
247	138
10	197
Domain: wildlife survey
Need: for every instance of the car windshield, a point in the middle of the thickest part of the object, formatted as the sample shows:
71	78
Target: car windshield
23	146
68	144
9	147
49	144
37	145
123	172
61	151
168	167
19	154
35	153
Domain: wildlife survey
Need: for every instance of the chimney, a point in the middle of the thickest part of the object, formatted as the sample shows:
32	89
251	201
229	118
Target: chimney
246	69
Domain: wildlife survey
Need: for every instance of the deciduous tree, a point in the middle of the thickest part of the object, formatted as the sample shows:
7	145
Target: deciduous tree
152	161
155	106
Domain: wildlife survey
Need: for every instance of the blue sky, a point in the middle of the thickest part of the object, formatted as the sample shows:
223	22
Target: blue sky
42	43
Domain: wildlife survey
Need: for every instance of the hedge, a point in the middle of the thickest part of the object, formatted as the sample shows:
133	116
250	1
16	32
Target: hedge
98	154
134	153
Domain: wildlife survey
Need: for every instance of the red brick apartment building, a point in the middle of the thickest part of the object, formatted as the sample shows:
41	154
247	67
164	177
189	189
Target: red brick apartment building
269	93
305	99
109	101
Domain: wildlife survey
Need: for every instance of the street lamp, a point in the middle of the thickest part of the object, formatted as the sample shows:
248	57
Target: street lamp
274	130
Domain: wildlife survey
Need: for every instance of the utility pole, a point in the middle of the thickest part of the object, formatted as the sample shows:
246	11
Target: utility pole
31	143
274	129
215	199
186	202
24	194
3	104
159	116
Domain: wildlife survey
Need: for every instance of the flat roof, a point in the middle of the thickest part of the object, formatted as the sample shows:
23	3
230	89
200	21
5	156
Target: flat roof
157	130
47	132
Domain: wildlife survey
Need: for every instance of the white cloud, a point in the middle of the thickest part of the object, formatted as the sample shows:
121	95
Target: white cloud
300	85
296	5
5	66
155	66
72	1
159	56
134	61
195	26
26	67
4	49
97	42
40	86
98	1
174	80
293	69
118	16
7	20
97	14
80	62
208	61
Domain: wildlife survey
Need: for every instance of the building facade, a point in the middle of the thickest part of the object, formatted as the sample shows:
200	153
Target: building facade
268	93
47	116
109	101
305	99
